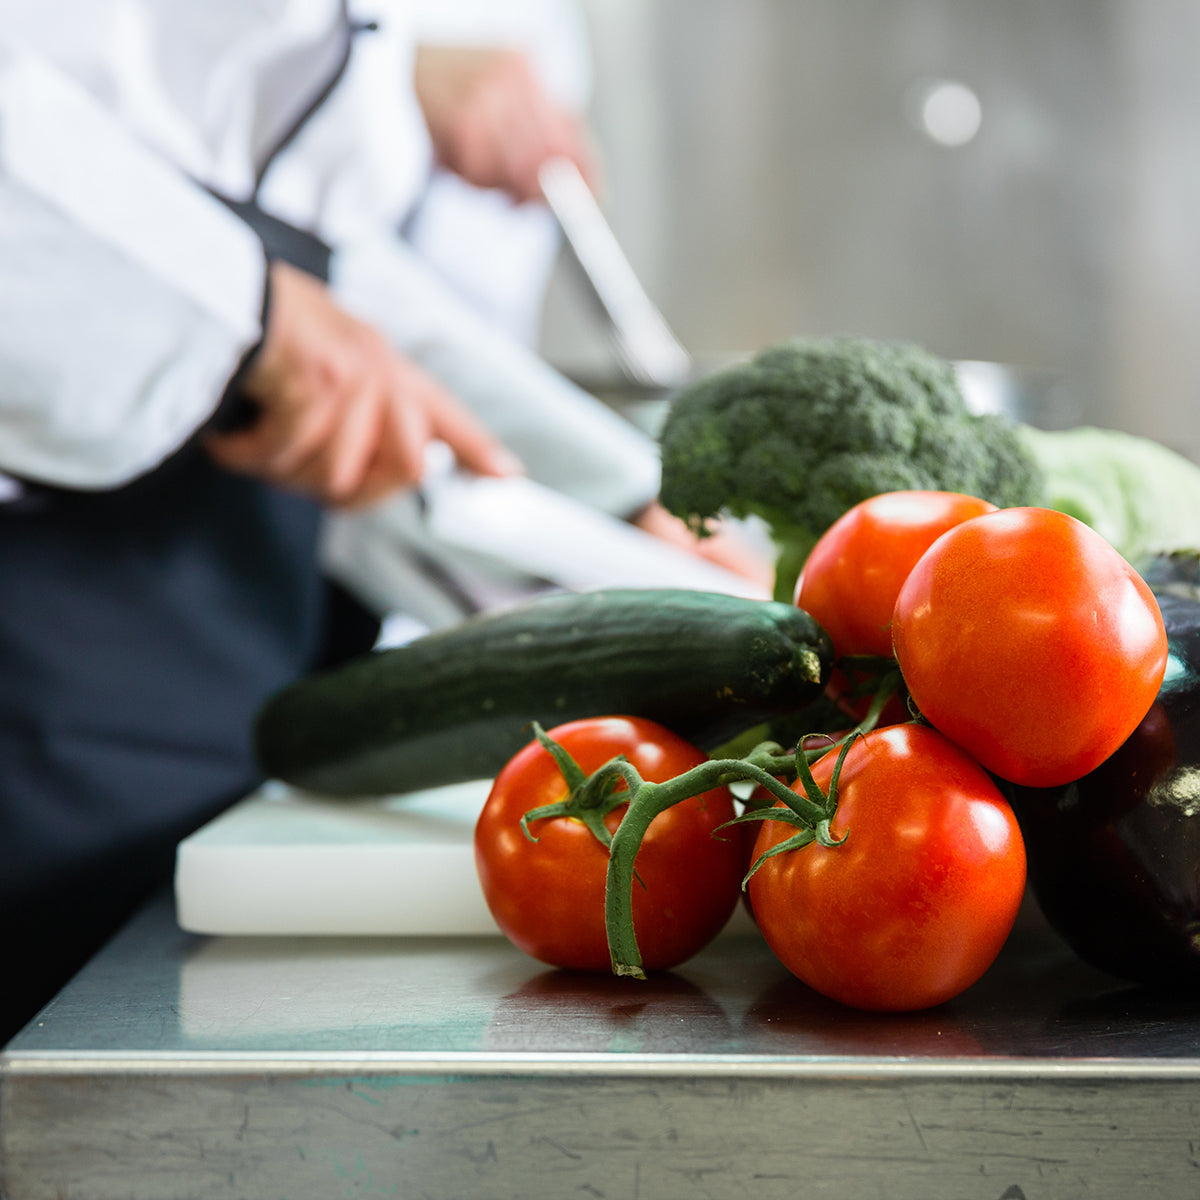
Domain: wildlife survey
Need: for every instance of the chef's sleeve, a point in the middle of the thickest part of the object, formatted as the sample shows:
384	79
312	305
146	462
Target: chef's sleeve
129	297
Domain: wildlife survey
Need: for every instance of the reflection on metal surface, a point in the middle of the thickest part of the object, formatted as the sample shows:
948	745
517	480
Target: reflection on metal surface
593	1065
182	1067
159	996
580	1013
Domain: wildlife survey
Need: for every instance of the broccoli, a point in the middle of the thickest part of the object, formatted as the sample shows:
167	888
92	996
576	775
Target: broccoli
809	427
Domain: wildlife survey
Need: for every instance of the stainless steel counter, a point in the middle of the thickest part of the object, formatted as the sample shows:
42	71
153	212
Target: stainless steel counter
284	1069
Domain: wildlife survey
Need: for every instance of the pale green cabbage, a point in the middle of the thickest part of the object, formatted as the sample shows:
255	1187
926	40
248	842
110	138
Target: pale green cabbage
1139	495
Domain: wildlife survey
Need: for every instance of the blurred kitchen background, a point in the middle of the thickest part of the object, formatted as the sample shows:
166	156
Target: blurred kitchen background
1016	183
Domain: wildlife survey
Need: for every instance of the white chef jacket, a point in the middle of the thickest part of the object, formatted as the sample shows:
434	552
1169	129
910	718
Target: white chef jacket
129	294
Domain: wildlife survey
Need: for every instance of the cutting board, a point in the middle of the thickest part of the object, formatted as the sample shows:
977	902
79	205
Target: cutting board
283	861
291	863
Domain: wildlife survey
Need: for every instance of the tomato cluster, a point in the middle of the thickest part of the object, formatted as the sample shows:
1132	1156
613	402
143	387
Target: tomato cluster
1021	634
888	875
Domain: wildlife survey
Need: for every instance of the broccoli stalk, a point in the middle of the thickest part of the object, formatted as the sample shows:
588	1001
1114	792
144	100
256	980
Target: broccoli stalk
808	428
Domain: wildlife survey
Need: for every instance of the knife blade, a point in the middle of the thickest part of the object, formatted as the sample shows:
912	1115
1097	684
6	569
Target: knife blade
650	354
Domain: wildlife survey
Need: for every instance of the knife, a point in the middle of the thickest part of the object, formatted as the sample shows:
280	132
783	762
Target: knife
650	353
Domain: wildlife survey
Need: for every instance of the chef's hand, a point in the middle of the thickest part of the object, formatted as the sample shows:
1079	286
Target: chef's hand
341	416
722	547
492	122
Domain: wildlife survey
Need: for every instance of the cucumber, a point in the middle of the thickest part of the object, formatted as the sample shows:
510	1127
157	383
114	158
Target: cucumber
457	704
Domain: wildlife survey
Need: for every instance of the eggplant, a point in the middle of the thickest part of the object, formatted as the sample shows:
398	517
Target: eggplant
1114	857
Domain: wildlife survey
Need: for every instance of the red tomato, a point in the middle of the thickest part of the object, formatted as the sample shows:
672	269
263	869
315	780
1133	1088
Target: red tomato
852	577
548	896
916	903
1028	640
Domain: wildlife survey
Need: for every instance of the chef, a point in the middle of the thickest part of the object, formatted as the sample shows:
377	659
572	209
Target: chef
227	303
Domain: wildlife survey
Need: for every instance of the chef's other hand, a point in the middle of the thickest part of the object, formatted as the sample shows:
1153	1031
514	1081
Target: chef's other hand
492	122
341	415
722	547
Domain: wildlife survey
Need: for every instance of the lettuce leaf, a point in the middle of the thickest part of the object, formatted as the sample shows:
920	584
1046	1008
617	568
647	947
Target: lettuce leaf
1140	496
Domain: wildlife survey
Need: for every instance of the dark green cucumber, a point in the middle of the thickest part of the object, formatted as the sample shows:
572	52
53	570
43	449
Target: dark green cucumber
457	704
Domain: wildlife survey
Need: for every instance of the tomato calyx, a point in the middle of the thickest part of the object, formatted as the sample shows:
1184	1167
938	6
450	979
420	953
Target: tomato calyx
800	816
590	798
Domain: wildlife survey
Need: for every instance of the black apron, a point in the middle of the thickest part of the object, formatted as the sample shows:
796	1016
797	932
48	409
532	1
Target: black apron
140	629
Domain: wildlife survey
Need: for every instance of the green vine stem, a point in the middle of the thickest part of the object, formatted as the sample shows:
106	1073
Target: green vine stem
590	798
809	812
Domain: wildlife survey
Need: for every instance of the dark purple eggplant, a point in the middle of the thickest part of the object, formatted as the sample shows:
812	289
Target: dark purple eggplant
1114	858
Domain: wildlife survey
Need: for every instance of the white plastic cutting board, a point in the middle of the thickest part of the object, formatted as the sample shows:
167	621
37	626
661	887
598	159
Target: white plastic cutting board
287	862
290	863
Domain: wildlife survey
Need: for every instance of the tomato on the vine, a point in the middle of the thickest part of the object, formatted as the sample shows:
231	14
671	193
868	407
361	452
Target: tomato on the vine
1028	640
547	896
917	899
852	577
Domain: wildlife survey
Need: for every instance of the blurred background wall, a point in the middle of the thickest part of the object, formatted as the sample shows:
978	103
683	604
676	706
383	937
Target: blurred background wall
1015	182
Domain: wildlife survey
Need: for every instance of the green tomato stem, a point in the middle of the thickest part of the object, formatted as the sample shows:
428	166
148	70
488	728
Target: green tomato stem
591	797
646	801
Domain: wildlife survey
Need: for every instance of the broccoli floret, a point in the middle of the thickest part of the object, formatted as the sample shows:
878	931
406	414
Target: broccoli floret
811	426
